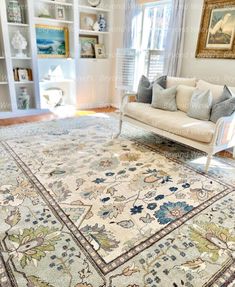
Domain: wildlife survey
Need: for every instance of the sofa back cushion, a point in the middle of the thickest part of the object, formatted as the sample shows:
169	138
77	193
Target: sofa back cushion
216	90
173	81
183	97
200	105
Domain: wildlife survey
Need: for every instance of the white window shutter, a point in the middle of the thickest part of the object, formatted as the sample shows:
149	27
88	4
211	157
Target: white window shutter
154	64
125	69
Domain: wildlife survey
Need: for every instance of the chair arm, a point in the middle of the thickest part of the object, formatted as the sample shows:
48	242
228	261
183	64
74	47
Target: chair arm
225	131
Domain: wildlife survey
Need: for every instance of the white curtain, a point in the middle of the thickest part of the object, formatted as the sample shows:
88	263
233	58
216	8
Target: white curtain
175	39
132	30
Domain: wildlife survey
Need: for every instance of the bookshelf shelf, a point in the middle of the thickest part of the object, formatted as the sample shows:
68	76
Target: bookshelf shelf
18	24
56	3
51	20
89	8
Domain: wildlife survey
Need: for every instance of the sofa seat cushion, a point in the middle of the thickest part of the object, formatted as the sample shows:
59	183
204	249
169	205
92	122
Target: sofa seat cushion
177	123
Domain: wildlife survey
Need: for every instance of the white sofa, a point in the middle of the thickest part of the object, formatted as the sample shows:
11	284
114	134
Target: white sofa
177	126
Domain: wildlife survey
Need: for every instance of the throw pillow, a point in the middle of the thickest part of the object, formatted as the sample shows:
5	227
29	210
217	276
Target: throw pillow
164	99
225	108
183	97
200	105
145	89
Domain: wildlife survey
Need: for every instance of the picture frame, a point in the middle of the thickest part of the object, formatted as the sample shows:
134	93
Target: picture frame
87	45
60	13
100	51
87	21
52	41
217	31
23	75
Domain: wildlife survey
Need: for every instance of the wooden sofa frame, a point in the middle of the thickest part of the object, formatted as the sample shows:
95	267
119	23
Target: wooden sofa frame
224	136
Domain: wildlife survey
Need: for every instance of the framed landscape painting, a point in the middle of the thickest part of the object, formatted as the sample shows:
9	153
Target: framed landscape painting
87	45
52	41
217	31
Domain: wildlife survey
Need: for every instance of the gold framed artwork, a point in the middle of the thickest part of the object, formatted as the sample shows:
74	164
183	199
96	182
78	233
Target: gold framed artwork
87	45
52	41
217	31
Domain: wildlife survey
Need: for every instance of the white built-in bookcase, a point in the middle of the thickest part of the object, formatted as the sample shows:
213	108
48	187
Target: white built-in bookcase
86	82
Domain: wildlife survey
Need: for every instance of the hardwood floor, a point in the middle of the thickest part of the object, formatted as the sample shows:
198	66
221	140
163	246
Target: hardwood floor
50	116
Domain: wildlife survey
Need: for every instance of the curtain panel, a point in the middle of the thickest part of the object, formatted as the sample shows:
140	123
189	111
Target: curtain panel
175	39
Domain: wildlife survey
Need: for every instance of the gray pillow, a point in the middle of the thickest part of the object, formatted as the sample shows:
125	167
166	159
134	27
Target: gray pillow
164	99
226	95
200	105
222	108
145	89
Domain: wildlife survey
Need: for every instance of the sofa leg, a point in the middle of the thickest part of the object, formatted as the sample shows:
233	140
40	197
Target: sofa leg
209	158
234	152
120	129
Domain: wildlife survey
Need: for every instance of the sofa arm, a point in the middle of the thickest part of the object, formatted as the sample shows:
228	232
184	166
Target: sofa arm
128	97
225	131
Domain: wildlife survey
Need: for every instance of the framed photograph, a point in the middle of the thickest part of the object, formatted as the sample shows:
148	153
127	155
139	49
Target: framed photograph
23	75
217	31
100	51
87	45
87	21
60	13
52	41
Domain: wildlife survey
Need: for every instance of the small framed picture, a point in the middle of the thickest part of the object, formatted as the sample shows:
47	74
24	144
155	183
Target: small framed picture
60	13
23	75
100	51
87	45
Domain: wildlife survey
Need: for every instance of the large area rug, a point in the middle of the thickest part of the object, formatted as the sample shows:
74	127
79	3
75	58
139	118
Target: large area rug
78	209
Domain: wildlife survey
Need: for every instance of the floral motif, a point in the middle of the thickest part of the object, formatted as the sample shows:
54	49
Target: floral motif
136	209
129	156
170	211
213	239
34	243
105	164
152	206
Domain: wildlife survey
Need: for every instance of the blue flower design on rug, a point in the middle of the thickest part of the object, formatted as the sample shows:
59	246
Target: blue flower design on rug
136	209
171	211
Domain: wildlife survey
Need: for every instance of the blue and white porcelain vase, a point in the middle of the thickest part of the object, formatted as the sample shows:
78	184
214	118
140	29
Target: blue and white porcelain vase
14	12
102	23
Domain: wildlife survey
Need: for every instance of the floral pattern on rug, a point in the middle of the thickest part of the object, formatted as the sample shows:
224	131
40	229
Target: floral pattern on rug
39	227
128	192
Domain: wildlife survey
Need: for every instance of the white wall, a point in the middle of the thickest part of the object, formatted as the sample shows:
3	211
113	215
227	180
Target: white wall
213	70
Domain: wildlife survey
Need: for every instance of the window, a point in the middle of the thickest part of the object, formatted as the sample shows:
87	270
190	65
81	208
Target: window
156	18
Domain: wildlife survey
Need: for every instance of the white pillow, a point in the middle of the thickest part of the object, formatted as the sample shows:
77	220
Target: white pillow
183	97
173	81
216	90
